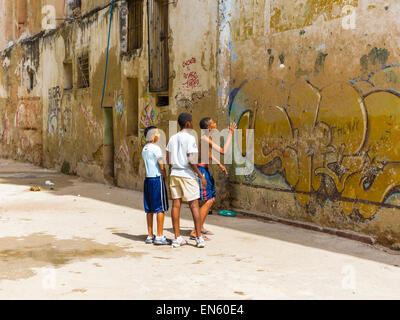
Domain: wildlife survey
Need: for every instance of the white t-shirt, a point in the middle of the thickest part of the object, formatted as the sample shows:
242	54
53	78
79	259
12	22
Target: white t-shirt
179	146
151	154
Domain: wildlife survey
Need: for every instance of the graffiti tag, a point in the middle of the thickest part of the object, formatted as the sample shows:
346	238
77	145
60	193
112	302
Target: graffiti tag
54	96
191	77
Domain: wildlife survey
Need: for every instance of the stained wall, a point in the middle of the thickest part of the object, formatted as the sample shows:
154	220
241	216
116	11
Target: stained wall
318	81
78	134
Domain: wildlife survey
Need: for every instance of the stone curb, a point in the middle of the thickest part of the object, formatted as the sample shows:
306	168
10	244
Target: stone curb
308	226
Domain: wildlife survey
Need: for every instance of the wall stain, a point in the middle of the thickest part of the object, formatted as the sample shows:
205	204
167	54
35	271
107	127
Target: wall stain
320	63
305	13
376	57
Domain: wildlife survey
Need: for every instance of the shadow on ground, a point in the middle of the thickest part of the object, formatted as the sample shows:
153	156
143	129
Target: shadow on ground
138	238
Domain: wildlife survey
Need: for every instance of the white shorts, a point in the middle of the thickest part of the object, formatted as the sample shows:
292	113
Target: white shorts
183	188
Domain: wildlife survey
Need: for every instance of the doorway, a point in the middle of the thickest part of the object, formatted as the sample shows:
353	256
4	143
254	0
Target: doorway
108	145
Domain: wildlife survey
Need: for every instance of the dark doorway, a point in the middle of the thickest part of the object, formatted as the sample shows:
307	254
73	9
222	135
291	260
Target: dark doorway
108	145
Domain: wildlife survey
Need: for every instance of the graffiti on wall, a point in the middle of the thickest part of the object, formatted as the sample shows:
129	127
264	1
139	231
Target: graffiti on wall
339	142
119	105
191	77
91	124
148	117
27	115
67	121
20	130
54	97
123	151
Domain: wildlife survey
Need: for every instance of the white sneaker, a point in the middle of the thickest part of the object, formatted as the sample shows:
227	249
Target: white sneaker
161	241
178	242
150	240
200	242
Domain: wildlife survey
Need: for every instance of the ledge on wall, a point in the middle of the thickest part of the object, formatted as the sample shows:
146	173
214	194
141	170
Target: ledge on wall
309	226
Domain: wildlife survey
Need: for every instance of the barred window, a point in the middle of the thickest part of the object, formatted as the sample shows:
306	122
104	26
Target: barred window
135	24
83	71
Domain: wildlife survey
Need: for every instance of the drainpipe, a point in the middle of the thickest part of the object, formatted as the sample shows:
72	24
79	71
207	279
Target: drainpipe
108	120
108	48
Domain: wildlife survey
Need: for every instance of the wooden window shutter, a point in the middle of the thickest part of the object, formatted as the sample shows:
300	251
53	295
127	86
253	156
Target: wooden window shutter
158	45
135	24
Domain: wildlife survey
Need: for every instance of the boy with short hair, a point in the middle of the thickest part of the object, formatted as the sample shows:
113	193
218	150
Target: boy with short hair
155	193
208	192
182	157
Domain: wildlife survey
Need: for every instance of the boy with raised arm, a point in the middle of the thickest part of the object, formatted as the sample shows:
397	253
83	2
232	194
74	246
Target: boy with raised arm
208	192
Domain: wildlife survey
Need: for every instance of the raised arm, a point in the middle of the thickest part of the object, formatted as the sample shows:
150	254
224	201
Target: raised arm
224	150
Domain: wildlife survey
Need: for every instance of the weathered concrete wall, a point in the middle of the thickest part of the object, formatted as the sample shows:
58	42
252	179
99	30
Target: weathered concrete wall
73	118
318	81
21	112
192	84
80	137
24	18
3	39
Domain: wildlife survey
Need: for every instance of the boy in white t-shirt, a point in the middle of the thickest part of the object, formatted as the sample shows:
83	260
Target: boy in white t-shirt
155	196
182	157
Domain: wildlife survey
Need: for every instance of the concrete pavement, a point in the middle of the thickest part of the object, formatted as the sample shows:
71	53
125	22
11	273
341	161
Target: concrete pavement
85	240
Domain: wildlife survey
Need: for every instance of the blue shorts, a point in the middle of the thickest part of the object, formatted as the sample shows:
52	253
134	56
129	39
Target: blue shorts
155	196
209	191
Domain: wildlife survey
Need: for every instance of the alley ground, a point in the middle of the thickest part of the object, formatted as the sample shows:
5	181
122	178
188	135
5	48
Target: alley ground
85	240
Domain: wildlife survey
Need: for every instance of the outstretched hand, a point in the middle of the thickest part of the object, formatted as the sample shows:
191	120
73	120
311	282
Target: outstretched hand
232	127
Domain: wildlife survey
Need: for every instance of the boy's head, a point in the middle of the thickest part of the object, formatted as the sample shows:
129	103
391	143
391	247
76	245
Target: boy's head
151	133
208	123
185	121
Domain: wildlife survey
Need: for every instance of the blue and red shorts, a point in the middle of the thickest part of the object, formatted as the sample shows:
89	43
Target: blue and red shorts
208	192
